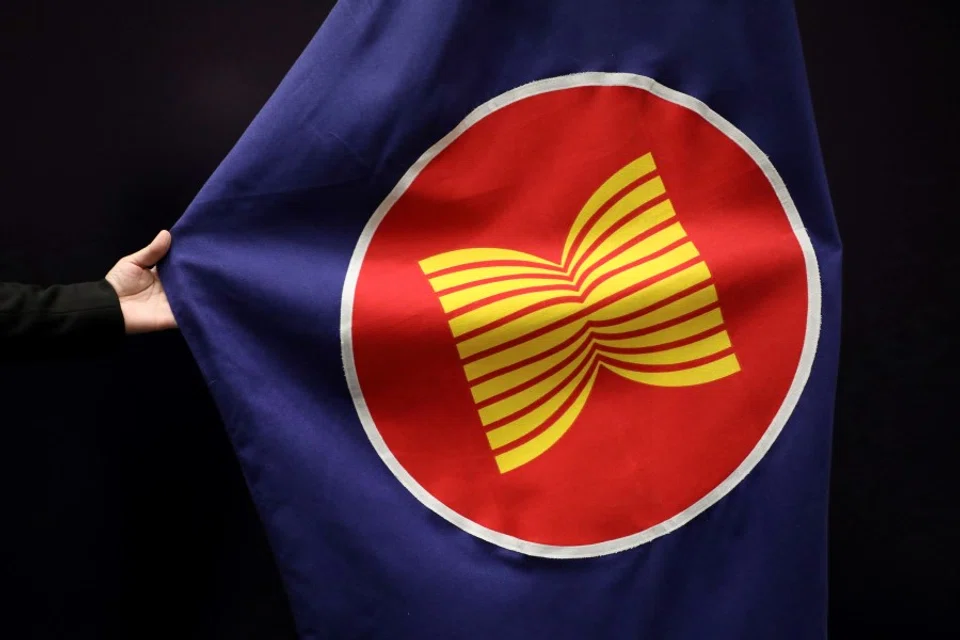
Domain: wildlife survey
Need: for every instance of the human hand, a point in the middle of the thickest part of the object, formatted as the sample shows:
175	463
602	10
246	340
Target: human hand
142	299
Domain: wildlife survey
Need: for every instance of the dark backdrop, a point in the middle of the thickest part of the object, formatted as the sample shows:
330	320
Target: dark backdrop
124	511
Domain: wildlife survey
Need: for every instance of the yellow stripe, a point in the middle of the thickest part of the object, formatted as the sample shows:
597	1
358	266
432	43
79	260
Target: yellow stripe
635	227
709	372
522	351
700	349
648	296
540	344
457	278
459	299
516	377
692	327
637	252
658	241
687	304
626	205
616	183
462	257
639	273
515	430
516	328
523	399
499	309
535	446
490	313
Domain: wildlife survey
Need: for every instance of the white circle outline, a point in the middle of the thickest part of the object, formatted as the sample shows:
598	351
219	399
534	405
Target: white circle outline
811	337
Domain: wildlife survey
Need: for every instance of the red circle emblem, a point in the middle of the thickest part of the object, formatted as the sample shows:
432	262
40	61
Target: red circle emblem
582	317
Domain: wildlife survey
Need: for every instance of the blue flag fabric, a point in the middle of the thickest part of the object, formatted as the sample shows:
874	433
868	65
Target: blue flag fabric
330	280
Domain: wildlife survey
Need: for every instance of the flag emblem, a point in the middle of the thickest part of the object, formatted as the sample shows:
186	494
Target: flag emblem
629	294
582	317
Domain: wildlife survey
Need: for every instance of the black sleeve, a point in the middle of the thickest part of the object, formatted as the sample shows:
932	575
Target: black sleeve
61	318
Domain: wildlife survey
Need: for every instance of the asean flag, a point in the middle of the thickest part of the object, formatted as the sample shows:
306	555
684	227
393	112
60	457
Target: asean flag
523	320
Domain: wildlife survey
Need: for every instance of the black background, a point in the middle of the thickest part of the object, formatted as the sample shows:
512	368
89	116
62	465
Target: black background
124	511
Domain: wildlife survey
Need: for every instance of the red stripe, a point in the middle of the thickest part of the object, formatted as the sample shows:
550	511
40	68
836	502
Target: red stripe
639	211
590	327
665	368
495	263
522	363
629	245
581	313
517	276
576	392
571	287
657	327
539	378
558	270
665	346
479	304
598	323
580	296
541	400
590	344
599	213
636	263
549	422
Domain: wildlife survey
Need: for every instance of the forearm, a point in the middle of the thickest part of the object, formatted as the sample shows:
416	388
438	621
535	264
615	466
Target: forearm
58	317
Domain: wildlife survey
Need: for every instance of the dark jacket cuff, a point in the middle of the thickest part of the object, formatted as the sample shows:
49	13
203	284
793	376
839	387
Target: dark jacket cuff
60	320
95	311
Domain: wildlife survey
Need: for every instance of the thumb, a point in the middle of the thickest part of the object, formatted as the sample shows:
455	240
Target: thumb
153	252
